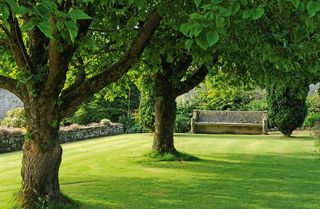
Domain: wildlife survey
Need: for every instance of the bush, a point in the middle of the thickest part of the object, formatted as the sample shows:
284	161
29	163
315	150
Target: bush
99	108
311	120
105	122
183	117
316	134
15	118
313	103
130	124
146	111
257	105
287	106
182	124
317	131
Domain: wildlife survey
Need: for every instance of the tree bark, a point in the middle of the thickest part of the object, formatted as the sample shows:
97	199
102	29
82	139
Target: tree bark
41	158
165	115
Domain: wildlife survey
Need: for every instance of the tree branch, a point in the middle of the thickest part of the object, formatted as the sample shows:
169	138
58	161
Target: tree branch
193	81
18	47
86	90
10	85
59	61
38	47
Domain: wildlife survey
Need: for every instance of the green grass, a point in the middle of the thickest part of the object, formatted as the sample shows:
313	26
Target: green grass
234	172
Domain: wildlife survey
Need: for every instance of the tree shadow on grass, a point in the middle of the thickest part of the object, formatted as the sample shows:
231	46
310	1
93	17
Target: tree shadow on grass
221	181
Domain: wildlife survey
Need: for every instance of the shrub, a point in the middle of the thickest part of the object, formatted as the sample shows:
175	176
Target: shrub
182	124
146	111
316	131
311	120
316	134
105	122
130	124
183	117
287	106
313	103
99	108
15	118
258	105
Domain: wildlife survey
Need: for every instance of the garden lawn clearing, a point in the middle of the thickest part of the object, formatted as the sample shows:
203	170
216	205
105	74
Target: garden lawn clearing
234	171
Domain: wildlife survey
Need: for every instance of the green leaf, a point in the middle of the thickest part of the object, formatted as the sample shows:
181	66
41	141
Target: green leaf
43	11
246	14
313	7
78	14
202	42
188	44
220	21
4	13
244	2
184	28
195	29
73	29
60	25
212	38
50	4
257	13
139	3
46	29
29	25
13	5
295	3
225	12
235	8
16	9
197	3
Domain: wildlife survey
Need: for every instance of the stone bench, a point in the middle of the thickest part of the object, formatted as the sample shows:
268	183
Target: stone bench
235	122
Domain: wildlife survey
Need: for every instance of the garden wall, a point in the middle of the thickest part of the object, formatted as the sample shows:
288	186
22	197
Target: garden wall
12	140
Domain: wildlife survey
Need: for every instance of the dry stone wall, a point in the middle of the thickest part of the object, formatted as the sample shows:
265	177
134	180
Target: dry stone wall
13	141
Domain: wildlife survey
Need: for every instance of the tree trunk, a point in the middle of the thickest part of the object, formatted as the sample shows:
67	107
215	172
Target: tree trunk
165	115
41	159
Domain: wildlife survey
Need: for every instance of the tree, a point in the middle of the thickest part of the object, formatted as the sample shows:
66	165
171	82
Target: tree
287	105
168	86
257	39
270	47
43	38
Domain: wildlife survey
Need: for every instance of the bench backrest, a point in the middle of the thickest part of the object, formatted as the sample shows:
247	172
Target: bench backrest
255	117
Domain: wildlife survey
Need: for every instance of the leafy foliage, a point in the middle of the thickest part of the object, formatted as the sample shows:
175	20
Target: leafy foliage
183	118
103	106
14	118
311	120
146	106
257	105
313	103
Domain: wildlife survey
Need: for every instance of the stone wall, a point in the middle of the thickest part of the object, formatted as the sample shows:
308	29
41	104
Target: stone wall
12	140
8	101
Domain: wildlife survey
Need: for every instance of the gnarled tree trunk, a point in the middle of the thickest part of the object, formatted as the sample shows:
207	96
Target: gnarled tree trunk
168	86
41	158
165	115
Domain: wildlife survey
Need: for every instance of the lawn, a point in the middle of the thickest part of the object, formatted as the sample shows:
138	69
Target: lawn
234	171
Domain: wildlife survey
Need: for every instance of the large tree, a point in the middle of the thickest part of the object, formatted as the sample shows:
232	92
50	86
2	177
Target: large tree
43	38
274	43
169	84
